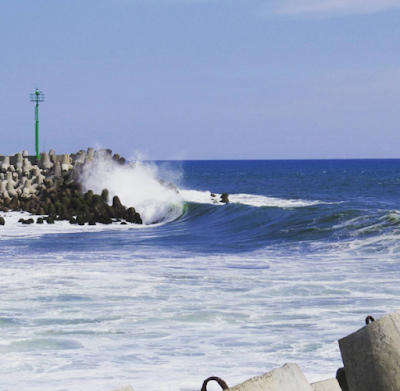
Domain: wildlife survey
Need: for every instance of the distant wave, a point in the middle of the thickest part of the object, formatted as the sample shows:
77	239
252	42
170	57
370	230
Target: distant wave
137	184
204	197
262	201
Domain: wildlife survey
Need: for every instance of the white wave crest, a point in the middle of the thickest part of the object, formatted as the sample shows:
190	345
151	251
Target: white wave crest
263	201
200	197
137	185
258	201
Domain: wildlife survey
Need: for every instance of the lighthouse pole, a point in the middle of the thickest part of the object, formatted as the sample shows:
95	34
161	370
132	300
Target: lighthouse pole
37	97
37	127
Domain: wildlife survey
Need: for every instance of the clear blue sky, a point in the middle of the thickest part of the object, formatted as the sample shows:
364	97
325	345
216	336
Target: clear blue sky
203	79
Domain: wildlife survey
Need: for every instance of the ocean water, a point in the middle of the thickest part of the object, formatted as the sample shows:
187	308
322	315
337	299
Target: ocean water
302	254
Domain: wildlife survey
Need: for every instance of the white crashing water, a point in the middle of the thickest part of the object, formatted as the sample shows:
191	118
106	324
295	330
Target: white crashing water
136	184
95	321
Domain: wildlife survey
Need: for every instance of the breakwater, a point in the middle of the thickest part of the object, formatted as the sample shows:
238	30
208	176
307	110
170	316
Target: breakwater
75	188
50	186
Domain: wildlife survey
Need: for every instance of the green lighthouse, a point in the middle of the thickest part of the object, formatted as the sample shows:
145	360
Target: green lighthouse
37	97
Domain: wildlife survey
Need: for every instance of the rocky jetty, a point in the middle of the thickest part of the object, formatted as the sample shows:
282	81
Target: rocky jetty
51	187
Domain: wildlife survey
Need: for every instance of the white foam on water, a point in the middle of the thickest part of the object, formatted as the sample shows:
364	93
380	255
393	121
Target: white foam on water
101	320
263	201
257	201
200	197
14	229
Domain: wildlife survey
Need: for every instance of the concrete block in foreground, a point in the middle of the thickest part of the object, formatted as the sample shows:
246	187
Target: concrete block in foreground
371	356
126	388
287	378
326	385
341	378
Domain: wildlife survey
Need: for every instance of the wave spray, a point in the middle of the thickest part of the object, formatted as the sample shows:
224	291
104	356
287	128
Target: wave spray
137	184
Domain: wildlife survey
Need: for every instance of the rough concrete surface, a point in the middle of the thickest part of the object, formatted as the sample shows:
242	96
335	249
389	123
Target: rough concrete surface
326	385
341	378
371	356
287	378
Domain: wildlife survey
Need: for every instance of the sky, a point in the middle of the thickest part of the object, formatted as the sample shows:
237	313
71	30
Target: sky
203	79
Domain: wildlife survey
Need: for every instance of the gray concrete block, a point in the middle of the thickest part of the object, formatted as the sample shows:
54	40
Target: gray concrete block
81	157
27	165
45	162
19	161
371	356
10	189
126	388
342	380
6	164
66	163
9	178
326	385
57	169
27	189
287	378
90	153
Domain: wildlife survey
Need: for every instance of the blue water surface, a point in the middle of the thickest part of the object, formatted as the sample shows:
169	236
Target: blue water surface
353	198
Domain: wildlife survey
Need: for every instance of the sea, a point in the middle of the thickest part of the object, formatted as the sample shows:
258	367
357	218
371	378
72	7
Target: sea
297	259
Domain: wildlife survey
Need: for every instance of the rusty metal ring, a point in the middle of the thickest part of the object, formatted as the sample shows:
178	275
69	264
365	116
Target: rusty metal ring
223	385
369	319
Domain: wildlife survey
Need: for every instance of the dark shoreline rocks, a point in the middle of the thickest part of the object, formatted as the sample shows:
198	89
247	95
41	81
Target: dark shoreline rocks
77	208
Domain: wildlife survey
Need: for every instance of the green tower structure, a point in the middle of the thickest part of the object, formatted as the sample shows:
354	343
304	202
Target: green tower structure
37	97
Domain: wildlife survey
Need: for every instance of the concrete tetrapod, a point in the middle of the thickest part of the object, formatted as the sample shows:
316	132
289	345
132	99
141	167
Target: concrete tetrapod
371	356
341	378
5	164
3	187
46	163
20	160
57	170
287	378
90	154
9	178
27	165
65	163
81	157
10	189
326	385
27	189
